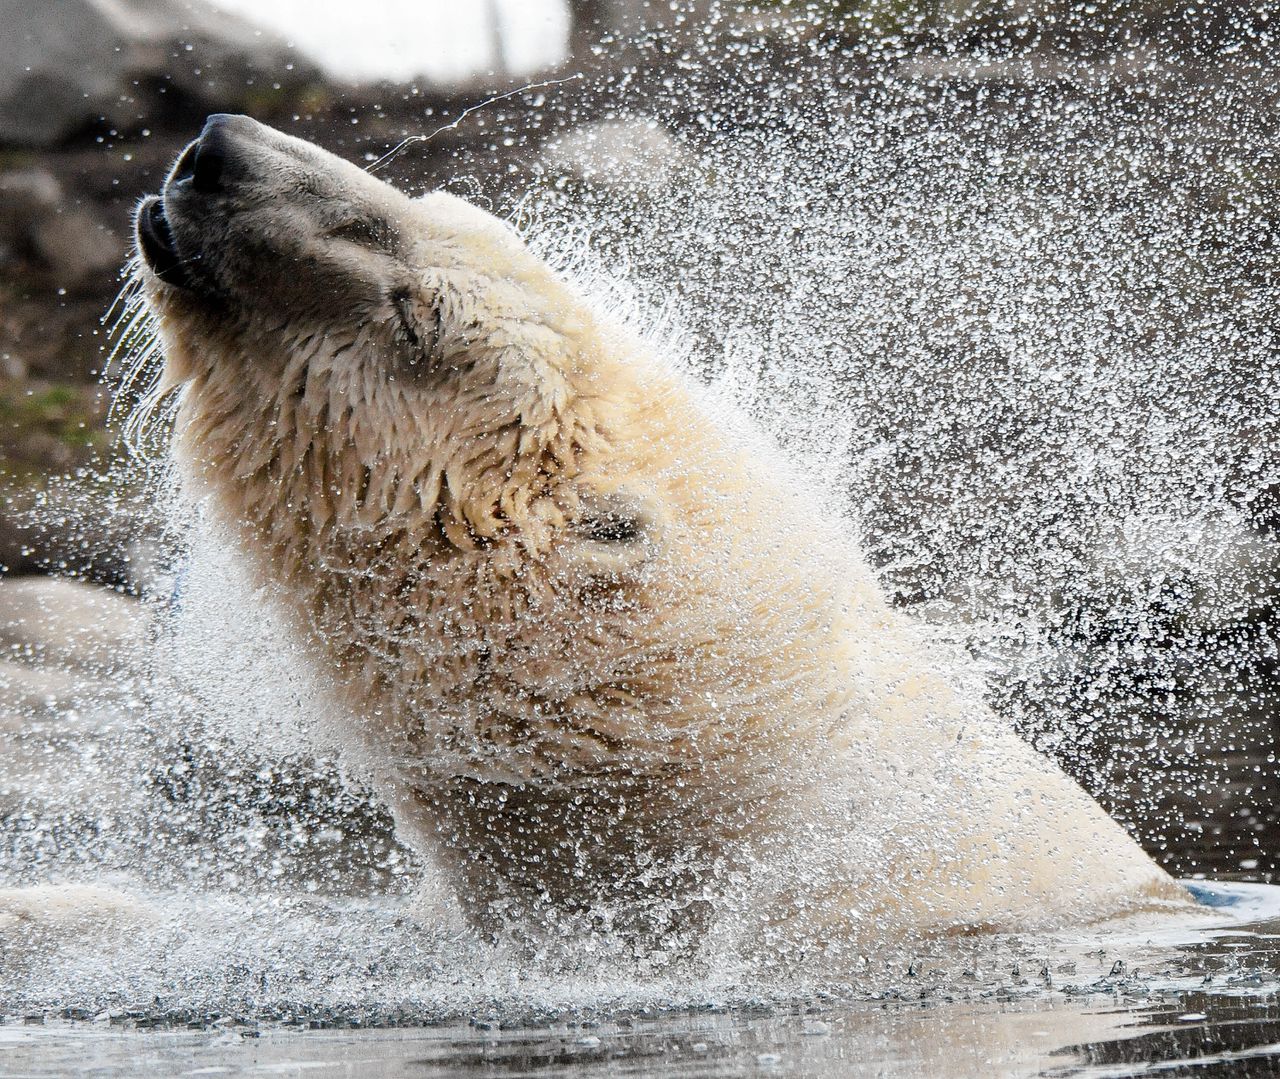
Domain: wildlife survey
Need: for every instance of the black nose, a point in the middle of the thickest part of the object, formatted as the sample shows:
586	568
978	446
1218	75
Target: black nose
204	162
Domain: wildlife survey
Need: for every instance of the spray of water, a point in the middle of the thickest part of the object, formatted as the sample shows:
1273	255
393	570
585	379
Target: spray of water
453	125
1020	335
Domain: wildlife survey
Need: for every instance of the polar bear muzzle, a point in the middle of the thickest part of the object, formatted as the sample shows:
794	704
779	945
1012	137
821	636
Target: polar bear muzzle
255	221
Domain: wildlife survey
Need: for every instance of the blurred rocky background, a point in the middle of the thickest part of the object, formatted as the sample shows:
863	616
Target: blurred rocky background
97	98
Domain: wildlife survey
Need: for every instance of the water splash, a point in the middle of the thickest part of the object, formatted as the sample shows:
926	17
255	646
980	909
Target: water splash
1022	330
1022	335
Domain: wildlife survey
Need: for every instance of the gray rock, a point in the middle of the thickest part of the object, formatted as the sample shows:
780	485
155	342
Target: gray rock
600	26
636	154
1216	573
70	722
54	622
39	226
44	917
73	764
26	691
109	60
25	193
107	536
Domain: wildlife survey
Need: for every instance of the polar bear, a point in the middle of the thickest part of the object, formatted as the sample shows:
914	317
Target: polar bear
608	659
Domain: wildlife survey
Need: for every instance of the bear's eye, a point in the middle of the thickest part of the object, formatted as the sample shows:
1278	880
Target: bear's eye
374	232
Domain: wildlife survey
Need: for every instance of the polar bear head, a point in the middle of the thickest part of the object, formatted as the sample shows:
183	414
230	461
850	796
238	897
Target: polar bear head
412	356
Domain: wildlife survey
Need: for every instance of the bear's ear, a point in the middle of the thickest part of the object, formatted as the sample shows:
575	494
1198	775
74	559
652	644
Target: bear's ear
615	532
421	324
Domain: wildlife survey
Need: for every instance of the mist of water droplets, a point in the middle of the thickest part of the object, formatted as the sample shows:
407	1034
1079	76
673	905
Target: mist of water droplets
1020	333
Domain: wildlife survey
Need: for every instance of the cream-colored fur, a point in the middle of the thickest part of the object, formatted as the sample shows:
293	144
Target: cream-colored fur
602	650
